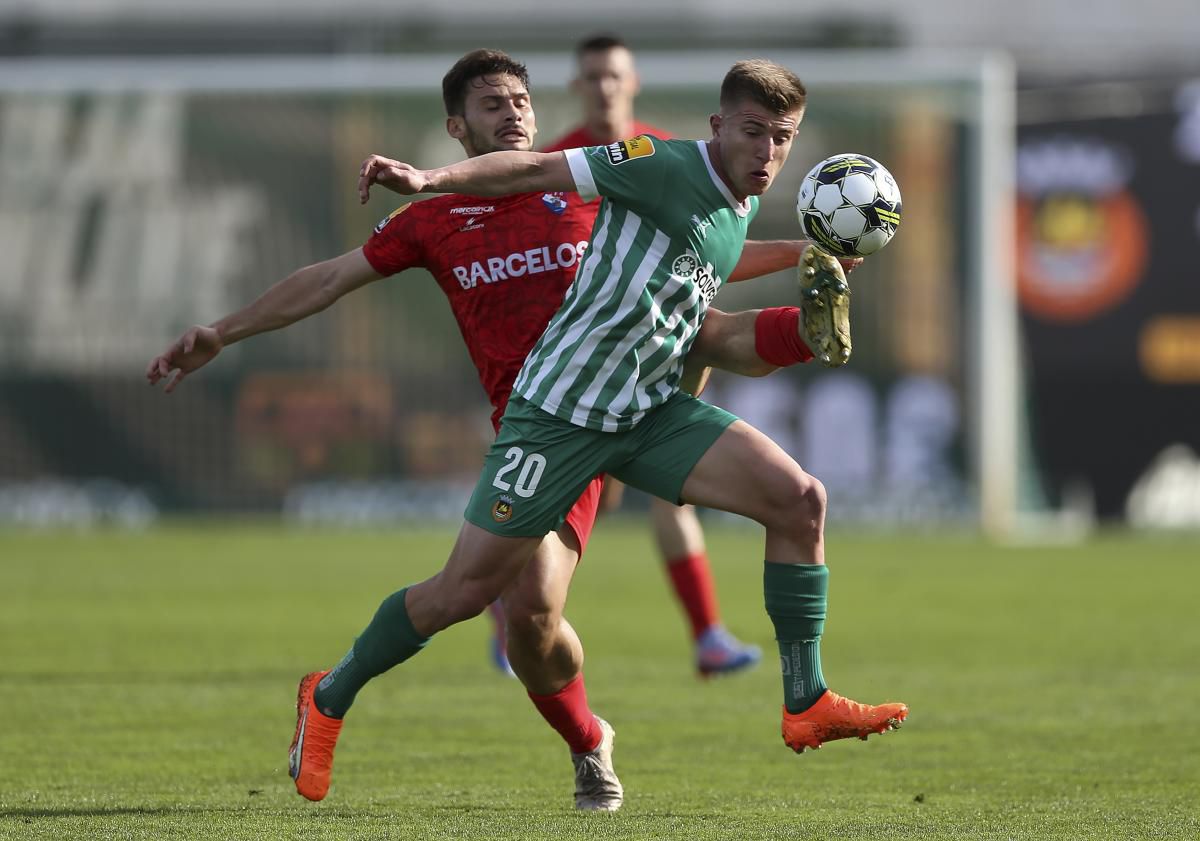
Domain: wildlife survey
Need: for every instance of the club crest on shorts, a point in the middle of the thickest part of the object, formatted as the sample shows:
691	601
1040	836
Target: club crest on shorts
502	511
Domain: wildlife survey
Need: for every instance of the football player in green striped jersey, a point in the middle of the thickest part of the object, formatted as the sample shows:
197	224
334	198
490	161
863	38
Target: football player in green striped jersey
600	392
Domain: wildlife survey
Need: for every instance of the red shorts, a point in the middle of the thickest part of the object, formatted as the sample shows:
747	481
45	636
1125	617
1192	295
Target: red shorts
582	516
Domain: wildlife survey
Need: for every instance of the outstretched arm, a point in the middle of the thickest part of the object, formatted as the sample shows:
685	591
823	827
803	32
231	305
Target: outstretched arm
730	341
301	294
763	257
726	341
493	174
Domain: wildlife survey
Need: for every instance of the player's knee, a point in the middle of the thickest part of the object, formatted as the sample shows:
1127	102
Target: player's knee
802	514
533	629
532	624
810	509
466	601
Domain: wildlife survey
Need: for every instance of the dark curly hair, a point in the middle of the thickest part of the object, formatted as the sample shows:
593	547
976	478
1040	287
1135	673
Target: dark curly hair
471	66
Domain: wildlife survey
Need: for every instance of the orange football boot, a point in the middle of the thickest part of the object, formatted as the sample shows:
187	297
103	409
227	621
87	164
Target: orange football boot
310	758
834	717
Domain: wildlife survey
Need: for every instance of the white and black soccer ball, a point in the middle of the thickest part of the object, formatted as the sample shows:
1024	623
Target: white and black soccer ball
849	205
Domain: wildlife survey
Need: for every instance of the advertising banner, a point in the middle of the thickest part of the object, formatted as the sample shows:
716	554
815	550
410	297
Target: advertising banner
1108	226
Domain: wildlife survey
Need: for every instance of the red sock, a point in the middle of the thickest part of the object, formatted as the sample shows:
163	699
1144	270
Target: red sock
694	585
567	711
777	337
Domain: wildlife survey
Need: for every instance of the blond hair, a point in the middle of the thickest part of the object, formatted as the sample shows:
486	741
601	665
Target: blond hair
764	82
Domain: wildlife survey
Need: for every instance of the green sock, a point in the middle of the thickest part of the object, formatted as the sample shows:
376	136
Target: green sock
388	641
796	597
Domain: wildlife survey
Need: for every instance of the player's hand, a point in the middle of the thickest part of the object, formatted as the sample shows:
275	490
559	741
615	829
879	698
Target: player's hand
396	176
694	378
849	264
194	349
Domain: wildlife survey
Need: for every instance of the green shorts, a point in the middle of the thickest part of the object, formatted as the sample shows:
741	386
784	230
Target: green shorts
540	464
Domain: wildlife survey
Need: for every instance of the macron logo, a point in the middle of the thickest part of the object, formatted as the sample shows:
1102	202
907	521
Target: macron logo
472	224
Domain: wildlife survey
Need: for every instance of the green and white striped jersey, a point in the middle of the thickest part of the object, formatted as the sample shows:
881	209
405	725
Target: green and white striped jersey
667	235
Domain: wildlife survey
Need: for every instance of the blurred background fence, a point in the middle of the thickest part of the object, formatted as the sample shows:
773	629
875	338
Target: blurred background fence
158	171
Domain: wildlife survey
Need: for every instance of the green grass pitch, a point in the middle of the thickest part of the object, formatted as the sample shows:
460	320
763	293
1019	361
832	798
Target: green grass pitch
147	687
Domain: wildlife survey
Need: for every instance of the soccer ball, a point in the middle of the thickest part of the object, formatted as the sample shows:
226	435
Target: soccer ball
849	205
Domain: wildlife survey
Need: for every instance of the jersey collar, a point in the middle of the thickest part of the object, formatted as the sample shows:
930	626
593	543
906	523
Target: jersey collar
740	208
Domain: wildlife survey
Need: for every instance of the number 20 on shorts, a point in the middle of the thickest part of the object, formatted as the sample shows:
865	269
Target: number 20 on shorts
530	473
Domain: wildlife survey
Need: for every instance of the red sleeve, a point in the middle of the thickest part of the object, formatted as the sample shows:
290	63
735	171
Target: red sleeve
395	244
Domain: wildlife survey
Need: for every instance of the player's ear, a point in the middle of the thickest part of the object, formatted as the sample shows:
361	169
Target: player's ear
456	127
714	122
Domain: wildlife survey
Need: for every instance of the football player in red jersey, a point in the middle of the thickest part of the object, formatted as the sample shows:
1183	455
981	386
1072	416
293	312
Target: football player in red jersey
505	265
606	84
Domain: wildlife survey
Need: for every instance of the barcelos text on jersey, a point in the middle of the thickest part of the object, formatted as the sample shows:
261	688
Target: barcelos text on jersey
532	261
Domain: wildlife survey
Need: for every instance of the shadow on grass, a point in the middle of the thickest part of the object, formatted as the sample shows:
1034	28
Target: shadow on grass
204	678
324	813
120	811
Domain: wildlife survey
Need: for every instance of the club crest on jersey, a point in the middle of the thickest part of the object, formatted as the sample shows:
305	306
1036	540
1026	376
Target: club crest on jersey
502	511
685	265
383	222
555	203
626	150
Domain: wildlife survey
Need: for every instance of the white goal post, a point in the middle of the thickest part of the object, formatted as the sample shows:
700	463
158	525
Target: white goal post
987	112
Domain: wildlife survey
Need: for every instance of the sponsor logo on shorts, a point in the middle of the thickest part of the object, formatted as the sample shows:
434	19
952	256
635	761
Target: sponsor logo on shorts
383	223
502	511
626	150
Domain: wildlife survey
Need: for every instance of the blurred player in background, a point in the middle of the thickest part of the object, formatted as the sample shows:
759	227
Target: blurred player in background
606	84
505	265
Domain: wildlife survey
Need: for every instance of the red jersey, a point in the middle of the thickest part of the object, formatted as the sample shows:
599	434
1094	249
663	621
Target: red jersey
582	137
503	263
